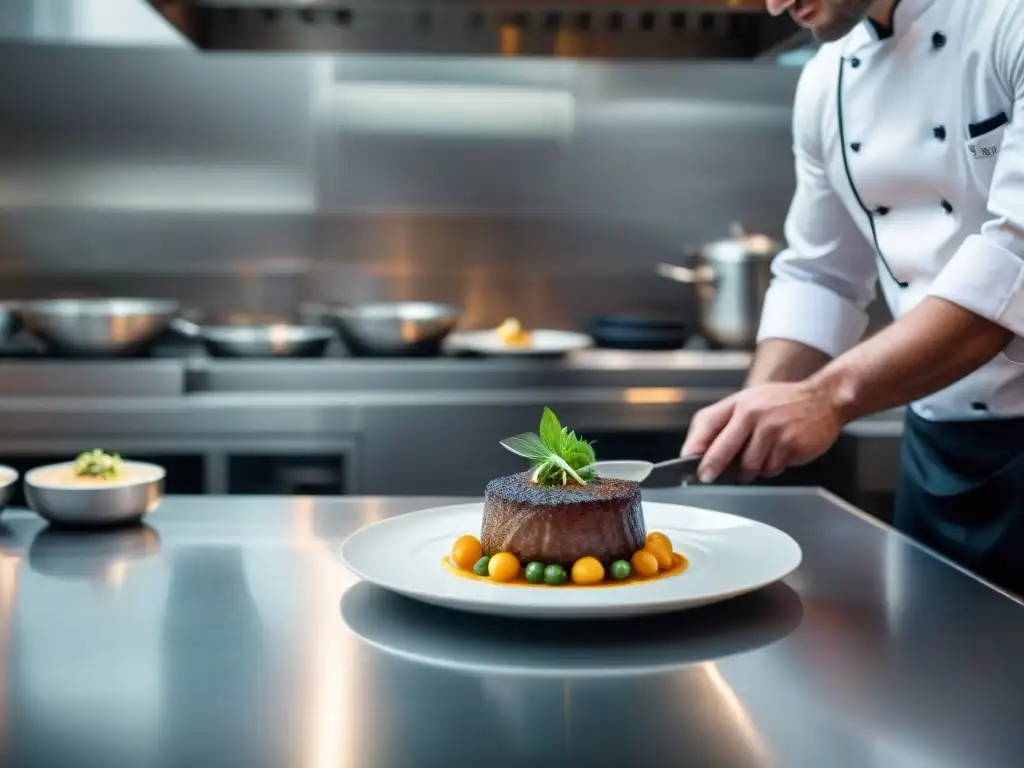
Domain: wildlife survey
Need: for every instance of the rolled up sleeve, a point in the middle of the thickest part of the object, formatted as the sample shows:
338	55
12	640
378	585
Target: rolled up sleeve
824	281
987	279
986	274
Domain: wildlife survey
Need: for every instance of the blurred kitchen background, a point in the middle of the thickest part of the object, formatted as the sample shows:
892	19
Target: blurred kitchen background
262	176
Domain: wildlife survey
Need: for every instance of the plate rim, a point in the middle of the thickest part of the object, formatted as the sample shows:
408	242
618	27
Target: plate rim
650	605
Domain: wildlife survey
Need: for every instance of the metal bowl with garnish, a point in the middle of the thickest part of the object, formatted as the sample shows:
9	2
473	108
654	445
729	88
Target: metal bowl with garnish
97	489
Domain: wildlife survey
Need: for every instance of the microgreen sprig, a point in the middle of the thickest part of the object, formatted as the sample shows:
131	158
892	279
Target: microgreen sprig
557	454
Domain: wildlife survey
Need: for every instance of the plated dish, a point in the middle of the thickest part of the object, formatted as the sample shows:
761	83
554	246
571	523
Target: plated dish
512	339
560	523
545	543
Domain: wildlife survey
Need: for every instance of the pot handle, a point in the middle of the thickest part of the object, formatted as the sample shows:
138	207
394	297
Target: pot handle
186	328
702	275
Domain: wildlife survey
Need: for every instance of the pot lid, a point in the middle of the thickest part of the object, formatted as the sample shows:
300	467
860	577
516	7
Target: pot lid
743	245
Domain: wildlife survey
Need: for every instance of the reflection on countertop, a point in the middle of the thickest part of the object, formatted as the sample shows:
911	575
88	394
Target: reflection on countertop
242	639
464	642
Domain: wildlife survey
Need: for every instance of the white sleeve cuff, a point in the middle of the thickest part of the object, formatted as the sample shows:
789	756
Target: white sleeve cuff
986	279
811	314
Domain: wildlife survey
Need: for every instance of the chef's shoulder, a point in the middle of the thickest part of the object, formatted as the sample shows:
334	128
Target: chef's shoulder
814	91
995	29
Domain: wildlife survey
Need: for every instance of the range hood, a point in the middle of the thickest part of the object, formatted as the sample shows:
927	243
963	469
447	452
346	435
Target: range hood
626	29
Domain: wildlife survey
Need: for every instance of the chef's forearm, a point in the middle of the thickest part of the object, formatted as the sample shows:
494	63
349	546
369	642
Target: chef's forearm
782	360
931	347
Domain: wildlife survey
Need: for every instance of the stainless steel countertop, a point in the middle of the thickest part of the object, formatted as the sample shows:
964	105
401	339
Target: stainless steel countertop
227	633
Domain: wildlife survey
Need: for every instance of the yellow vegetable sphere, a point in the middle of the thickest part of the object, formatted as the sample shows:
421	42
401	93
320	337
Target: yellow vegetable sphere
587	570
644	563
662	553
658	536
503	567
466	551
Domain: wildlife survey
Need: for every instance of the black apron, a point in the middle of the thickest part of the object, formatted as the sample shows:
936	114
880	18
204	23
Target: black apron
961	493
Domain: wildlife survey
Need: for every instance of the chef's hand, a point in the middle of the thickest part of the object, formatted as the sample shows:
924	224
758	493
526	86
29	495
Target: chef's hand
762	430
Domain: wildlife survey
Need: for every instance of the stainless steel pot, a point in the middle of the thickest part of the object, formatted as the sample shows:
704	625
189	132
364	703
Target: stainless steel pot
730	280
393	329
97	327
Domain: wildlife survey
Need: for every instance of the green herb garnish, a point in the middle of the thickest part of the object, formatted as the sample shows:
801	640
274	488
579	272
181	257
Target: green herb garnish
556	453
96	463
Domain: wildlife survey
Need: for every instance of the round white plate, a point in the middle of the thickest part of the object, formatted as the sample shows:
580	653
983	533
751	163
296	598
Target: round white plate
728	556
543	342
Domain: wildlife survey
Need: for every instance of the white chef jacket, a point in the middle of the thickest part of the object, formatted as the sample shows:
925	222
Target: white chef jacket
929	154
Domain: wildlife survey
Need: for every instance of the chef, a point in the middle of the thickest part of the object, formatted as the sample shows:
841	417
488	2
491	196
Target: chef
909	147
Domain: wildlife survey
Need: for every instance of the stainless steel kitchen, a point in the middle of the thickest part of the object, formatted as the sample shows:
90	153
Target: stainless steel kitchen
307	266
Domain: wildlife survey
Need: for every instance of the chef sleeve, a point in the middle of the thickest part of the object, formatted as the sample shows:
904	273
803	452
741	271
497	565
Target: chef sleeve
824	281
986	274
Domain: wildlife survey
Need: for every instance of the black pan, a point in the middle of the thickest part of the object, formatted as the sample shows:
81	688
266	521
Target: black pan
639	332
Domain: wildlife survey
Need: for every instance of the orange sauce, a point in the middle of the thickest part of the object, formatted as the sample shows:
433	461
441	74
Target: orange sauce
679	564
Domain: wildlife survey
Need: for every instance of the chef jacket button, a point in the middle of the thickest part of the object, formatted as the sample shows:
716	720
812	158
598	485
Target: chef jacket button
882	210
939	132
938	40
979	406
947	206
854	62
855	146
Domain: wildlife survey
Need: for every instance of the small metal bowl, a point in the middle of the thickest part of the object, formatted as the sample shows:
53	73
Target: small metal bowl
258	340
395	329
97	327
8	480
114	503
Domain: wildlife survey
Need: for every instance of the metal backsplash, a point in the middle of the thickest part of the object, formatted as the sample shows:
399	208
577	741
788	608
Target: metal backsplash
545	189
604	29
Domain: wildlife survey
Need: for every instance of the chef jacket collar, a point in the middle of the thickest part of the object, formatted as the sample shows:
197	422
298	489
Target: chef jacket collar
905	13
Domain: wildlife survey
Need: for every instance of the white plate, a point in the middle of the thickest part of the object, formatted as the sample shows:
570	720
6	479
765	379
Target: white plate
728	556
543	342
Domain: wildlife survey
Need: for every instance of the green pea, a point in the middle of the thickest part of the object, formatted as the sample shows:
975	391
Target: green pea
621	569
480	569
535	573
555	575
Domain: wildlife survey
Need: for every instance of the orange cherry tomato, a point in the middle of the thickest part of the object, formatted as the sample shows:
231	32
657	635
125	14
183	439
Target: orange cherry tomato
644	563
466	551
503	567
661	552
587	570
660	537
